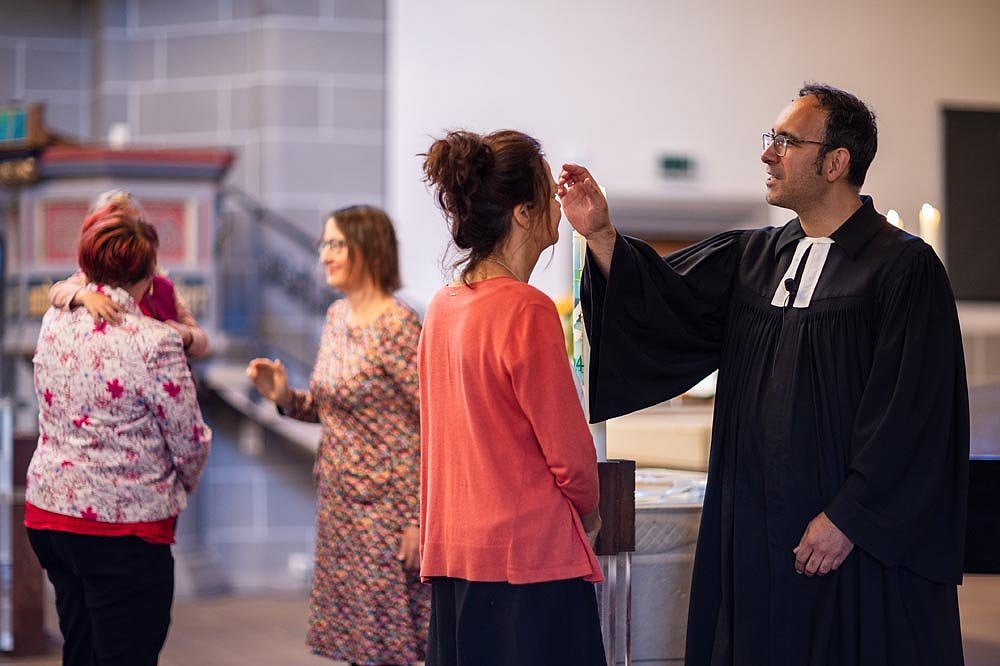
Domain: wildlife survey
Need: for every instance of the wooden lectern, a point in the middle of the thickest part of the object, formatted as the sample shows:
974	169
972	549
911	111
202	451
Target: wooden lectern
614	547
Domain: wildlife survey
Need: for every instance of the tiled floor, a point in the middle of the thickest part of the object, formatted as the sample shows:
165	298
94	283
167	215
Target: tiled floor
230	631
269	631
979	599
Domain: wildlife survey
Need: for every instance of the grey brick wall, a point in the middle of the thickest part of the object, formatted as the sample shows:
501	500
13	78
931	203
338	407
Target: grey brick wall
163	112
8	70
215	54
359	9
155	13
355	108
48	18
305	49
44	57
333	167
55	68
127	59
297	88
288	106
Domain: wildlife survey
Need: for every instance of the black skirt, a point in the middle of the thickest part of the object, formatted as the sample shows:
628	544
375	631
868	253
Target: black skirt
499	624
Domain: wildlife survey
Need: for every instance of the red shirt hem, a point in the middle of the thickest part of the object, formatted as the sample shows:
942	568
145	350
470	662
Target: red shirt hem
156	532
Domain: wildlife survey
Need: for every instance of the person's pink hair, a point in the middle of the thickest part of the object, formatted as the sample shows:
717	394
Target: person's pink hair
117	246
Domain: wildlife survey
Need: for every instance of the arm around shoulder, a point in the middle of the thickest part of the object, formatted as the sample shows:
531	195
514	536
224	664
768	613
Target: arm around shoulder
61	293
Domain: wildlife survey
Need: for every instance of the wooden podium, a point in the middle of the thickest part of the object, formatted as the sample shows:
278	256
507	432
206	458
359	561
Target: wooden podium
614	547
617	533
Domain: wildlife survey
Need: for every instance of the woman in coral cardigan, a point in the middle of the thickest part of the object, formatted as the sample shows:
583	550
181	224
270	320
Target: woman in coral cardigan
509	488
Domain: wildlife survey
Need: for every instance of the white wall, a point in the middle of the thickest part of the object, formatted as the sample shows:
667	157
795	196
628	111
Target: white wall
614	84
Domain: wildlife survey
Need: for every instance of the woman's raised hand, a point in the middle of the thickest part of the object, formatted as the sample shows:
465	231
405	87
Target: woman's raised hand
271	380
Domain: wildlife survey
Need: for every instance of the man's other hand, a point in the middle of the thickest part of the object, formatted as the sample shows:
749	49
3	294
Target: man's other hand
822	549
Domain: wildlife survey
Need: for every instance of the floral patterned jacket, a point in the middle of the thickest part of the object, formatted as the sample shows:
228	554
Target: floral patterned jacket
121	437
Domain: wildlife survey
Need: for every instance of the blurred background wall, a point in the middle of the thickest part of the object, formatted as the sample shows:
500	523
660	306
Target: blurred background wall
329	102
617	85
297	89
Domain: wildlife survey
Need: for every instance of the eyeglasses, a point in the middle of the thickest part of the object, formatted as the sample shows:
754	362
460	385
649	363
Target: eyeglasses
781	142
337	245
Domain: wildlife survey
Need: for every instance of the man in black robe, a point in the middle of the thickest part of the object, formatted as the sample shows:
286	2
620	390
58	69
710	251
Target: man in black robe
834	517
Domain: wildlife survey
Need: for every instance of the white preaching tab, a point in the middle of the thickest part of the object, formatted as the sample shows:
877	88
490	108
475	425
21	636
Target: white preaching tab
820	248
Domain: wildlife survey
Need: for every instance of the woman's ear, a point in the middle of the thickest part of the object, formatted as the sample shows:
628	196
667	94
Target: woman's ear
522	215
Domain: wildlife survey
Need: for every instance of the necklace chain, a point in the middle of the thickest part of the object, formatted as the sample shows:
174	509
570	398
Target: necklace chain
509	269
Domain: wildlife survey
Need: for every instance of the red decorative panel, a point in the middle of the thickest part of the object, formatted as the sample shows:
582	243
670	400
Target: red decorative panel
60	231
170	218
61	220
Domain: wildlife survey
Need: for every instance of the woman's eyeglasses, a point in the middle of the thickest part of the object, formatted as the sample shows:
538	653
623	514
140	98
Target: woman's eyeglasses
336	245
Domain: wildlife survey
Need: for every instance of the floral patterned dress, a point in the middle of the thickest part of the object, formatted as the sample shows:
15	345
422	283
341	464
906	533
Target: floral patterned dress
364	607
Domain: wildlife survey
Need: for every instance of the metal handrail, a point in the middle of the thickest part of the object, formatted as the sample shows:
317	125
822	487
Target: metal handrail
268	218
290	269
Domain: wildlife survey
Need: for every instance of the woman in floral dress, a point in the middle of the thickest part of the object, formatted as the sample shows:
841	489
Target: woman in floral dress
367	604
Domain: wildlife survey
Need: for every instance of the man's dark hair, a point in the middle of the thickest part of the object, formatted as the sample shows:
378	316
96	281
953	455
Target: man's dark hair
849	124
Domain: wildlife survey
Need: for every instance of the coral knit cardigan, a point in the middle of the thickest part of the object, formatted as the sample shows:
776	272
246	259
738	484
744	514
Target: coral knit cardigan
508	463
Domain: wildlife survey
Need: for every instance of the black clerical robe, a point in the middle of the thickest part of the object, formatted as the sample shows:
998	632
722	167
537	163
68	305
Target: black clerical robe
854	403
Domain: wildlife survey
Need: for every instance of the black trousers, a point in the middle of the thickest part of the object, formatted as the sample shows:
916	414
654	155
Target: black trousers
113	596
499	624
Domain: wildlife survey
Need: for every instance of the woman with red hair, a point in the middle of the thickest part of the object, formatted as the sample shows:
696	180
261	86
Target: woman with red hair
121	445
162	301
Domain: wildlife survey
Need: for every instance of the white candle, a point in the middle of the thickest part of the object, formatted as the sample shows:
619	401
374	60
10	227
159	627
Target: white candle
930	225
894	218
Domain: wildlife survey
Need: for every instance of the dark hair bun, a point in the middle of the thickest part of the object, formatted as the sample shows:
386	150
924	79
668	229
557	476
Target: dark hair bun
478	180
457	167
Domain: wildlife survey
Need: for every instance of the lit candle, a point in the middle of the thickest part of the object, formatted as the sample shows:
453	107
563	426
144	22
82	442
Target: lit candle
894	218
930	225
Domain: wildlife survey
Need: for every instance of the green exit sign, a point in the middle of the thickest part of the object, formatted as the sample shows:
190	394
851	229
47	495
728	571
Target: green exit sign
676	166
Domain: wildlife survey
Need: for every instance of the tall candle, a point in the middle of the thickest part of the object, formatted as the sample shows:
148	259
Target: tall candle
894	219
930	226
581	347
